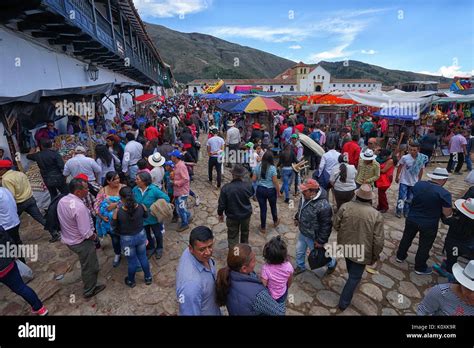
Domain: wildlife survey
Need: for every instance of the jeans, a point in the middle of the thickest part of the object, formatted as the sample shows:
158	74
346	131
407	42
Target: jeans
132	172
264	194
31	208
116	243
297	182
181	208
287	176
355	271
206	126
468	162
343	197
214	162
302	244
427	238
405	196
157	230
451	162
89	264
13	280
234	227
233	154
134	248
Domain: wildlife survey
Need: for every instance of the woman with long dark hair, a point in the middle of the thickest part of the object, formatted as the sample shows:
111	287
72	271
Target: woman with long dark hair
105	204
128	222
115	146
106	160
343	181
287	158
239	288
268	189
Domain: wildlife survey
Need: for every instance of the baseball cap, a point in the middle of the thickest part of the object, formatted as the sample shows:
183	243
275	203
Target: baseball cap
6	164
175	153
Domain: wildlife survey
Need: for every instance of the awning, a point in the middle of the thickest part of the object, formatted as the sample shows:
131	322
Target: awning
149	98
34	97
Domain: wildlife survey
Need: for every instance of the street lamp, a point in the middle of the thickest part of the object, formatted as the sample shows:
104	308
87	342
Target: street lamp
92	71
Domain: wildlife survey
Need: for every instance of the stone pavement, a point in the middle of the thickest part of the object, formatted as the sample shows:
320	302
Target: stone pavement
395	290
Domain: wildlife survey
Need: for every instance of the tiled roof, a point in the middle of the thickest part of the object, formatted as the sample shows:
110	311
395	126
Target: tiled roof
247	82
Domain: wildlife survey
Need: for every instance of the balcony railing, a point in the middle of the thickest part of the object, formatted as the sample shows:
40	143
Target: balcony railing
80	13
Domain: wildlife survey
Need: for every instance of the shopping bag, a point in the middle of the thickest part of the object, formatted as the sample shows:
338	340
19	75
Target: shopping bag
25	272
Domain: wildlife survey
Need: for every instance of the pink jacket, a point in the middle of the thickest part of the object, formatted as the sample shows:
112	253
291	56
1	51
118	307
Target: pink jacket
181	180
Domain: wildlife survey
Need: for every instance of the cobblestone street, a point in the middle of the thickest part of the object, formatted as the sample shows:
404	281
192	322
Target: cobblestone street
394	290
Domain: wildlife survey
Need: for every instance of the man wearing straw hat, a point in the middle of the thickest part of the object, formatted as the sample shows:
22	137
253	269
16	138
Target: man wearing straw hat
232	141
430	202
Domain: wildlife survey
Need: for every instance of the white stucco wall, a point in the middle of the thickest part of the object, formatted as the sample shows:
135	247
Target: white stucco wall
318	75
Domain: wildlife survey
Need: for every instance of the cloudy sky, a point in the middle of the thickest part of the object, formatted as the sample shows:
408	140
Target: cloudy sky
417	35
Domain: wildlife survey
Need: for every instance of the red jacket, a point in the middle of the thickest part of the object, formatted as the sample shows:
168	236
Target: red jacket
353	151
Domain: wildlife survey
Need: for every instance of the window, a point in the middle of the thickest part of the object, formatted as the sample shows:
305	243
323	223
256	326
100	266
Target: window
322	77
365	85
319	77
359	84
314	77
334	85
374	84
281	87
353	85
292	88
343	85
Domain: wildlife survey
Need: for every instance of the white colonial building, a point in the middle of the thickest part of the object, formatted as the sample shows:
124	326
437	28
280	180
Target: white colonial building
304	78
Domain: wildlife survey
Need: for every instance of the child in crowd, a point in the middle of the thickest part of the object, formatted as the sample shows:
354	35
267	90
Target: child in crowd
277	272
142	166
168	185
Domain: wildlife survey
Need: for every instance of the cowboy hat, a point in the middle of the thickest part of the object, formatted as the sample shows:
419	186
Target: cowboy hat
439	173
310	184
230	123
368	155
365	192
239	170
466	206
465	276
156	160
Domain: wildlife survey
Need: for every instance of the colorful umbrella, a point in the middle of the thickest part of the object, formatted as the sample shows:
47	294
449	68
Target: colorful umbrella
257	104
326	99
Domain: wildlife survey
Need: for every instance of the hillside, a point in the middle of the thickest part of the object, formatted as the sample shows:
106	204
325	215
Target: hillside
194	55
359	70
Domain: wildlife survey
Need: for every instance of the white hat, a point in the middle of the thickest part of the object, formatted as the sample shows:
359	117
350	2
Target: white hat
439	173
465	276
368	155
156	160
466	206
230	123
80	149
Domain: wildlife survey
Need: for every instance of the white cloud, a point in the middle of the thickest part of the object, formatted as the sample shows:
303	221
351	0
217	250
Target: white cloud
170	8
336	52
368	51
260	33
295	47
449	71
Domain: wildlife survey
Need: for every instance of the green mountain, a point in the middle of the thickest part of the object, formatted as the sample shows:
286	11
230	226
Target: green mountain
358	70
198	56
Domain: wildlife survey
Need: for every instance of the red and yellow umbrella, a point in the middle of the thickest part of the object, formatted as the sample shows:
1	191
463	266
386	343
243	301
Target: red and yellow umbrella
257	104
326	99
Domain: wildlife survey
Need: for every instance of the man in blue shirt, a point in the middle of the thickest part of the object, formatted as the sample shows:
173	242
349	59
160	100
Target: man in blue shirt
430	200
196	275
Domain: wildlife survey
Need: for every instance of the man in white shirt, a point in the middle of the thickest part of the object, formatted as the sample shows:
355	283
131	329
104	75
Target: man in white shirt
298	150
132	154
157	173
328	161
9	219
215	148
232	141
174	127
80	164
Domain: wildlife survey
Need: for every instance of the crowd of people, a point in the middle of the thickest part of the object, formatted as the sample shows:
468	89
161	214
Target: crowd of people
140	174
